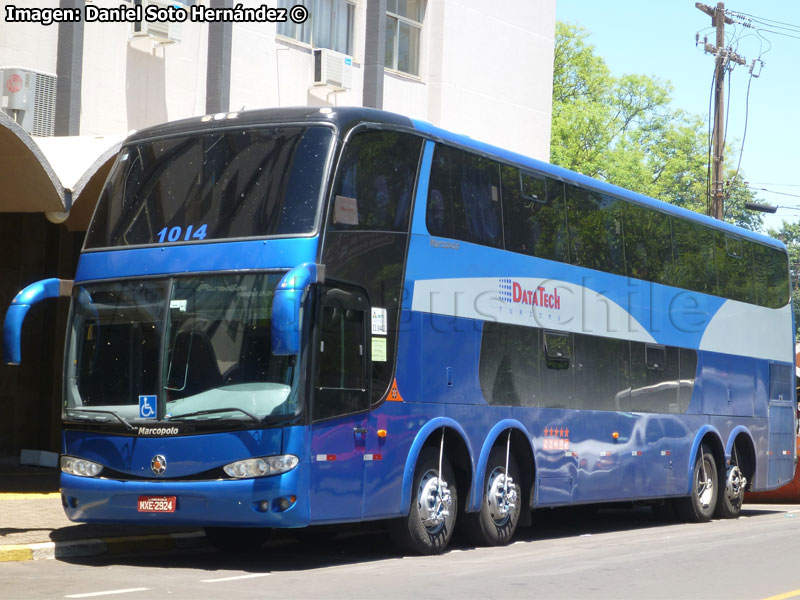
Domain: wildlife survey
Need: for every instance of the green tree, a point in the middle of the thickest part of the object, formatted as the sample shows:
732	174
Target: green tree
624	130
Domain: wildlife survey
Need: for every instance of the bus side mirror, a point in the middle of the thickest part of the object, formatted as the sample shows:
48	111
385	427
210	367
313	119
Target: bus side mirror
285	322
12	327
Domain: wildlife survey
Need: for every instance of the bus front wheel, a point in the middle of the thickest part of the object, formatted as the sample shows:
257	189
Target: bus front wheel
429	525
495	523
699	507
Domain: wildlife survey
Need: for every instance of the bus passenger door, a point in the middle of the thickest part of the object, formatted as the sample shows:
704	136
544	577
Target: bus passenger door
340	406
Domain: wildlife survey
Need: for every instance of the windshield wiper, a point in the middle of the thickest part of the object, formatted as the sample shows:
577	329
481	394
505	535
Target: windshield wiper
122	420
214	411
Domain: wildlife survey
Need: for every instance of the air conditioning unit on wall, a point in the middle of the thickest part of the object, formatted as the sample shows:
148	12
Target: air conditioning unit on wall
161	32
333	68
29	97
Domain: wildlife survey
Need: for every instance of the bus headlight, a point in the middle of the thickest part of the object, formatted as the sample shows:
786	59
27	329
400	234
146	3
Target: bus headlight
80	467
261	467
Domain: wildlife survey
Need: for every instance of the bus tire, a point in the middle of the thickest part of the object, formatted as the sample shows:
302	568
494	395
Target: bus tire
700	505
731	494
426	529
495	523
237	540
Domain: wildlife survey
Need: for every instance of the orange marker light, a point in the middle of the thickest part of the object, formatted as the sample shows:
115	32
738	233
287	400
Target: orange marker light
381	433
615	435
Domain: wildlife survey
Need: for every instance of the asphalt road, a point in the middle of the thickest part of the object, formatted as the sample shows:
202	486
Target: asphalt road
615	554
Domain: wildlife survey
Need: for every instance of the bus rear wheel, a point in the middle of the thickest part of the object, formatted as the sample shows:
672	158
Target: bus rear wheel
237	540
731	496
432	517
496	522
699	507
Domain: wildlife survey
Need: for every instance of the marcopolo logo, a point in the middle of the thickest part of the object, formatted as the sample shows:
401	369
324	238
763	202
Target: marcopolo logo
512	292
158	431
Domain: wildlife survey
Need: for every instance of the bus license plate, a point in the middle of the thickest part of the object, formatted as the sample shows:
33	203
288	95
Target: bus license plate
157	504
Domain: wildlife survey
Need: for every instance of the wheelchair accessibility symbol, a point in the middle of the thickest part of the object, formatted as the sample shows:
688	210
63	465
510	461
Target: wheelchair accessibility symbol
147	407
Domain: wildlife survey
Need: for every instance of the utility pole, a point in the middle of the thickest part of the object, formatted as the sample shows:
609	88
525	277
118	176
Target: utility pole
723	56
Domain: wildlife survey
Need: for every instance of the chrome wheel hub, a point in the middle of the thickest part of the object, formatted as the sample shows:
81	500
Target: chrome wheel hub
735	484
705	484
434	501
501	496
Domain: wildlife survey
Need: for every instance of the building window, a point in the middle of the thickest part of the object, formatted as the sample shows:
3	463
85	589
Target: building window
403	27
330	24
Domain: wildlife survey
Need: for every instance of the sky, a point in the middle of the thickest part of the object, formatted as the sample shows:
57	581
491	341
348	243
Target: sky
657	38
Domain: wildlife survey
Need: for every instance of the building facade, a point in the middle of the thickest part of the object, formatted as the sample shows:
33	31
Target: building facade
483	69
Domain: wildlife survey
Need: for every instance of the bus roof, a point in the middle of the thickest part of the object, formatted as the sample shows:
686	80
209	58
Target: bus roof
345	118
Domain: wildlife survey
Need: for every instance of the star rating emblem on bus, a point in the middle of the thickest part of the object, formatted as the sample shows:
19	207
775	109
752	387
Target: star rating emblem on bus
556	438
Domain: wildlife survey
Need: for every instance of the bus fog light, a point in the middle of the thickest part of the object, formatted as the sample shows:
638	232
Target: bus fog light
260	467
282	504
80	467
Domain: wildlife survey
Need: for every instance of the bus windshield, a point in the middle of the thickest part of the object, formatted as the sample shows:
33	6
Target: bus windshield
194	348
215	185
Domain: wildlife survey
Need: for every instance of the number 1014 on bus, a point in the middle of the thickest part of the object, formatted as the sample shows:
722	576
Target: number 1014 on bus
176	234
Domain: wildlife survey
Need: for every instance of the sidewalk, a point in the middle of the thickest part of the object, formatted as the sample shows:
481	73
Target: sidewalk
33	525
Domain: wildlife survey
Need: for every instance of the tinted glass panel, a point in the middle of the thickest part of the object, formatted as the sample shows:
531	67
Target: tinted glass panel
648	244
655	357
687	372
376	180
116	343
509	364
654	389
595	230
464	197
371	260
694	257
602	373
735	268
771	275
341	348
534	215
341	355
556	374
215	185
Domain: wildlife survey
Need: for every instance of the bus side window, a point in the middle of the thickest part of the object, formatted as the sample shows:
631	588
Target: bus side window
771	277
595	230
735	268
694	257
557	350
464	198
648	244
534	216
376	182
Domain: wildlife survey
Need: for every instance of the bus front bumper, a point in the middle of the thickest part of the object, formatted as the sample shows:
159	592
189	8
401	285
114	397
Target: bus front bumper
272	501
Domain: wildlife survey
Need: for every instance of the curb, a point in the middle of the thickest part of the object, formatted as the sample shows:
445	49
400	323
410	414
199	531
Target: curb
102	546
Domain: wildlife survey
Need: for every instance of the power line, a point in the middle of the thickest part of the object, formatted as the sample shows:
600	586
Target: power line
774	192
744	15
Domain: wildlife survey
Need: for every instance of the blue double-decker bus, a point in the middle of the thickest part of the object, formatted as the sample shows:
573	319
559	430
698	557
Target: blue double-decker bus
292	317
